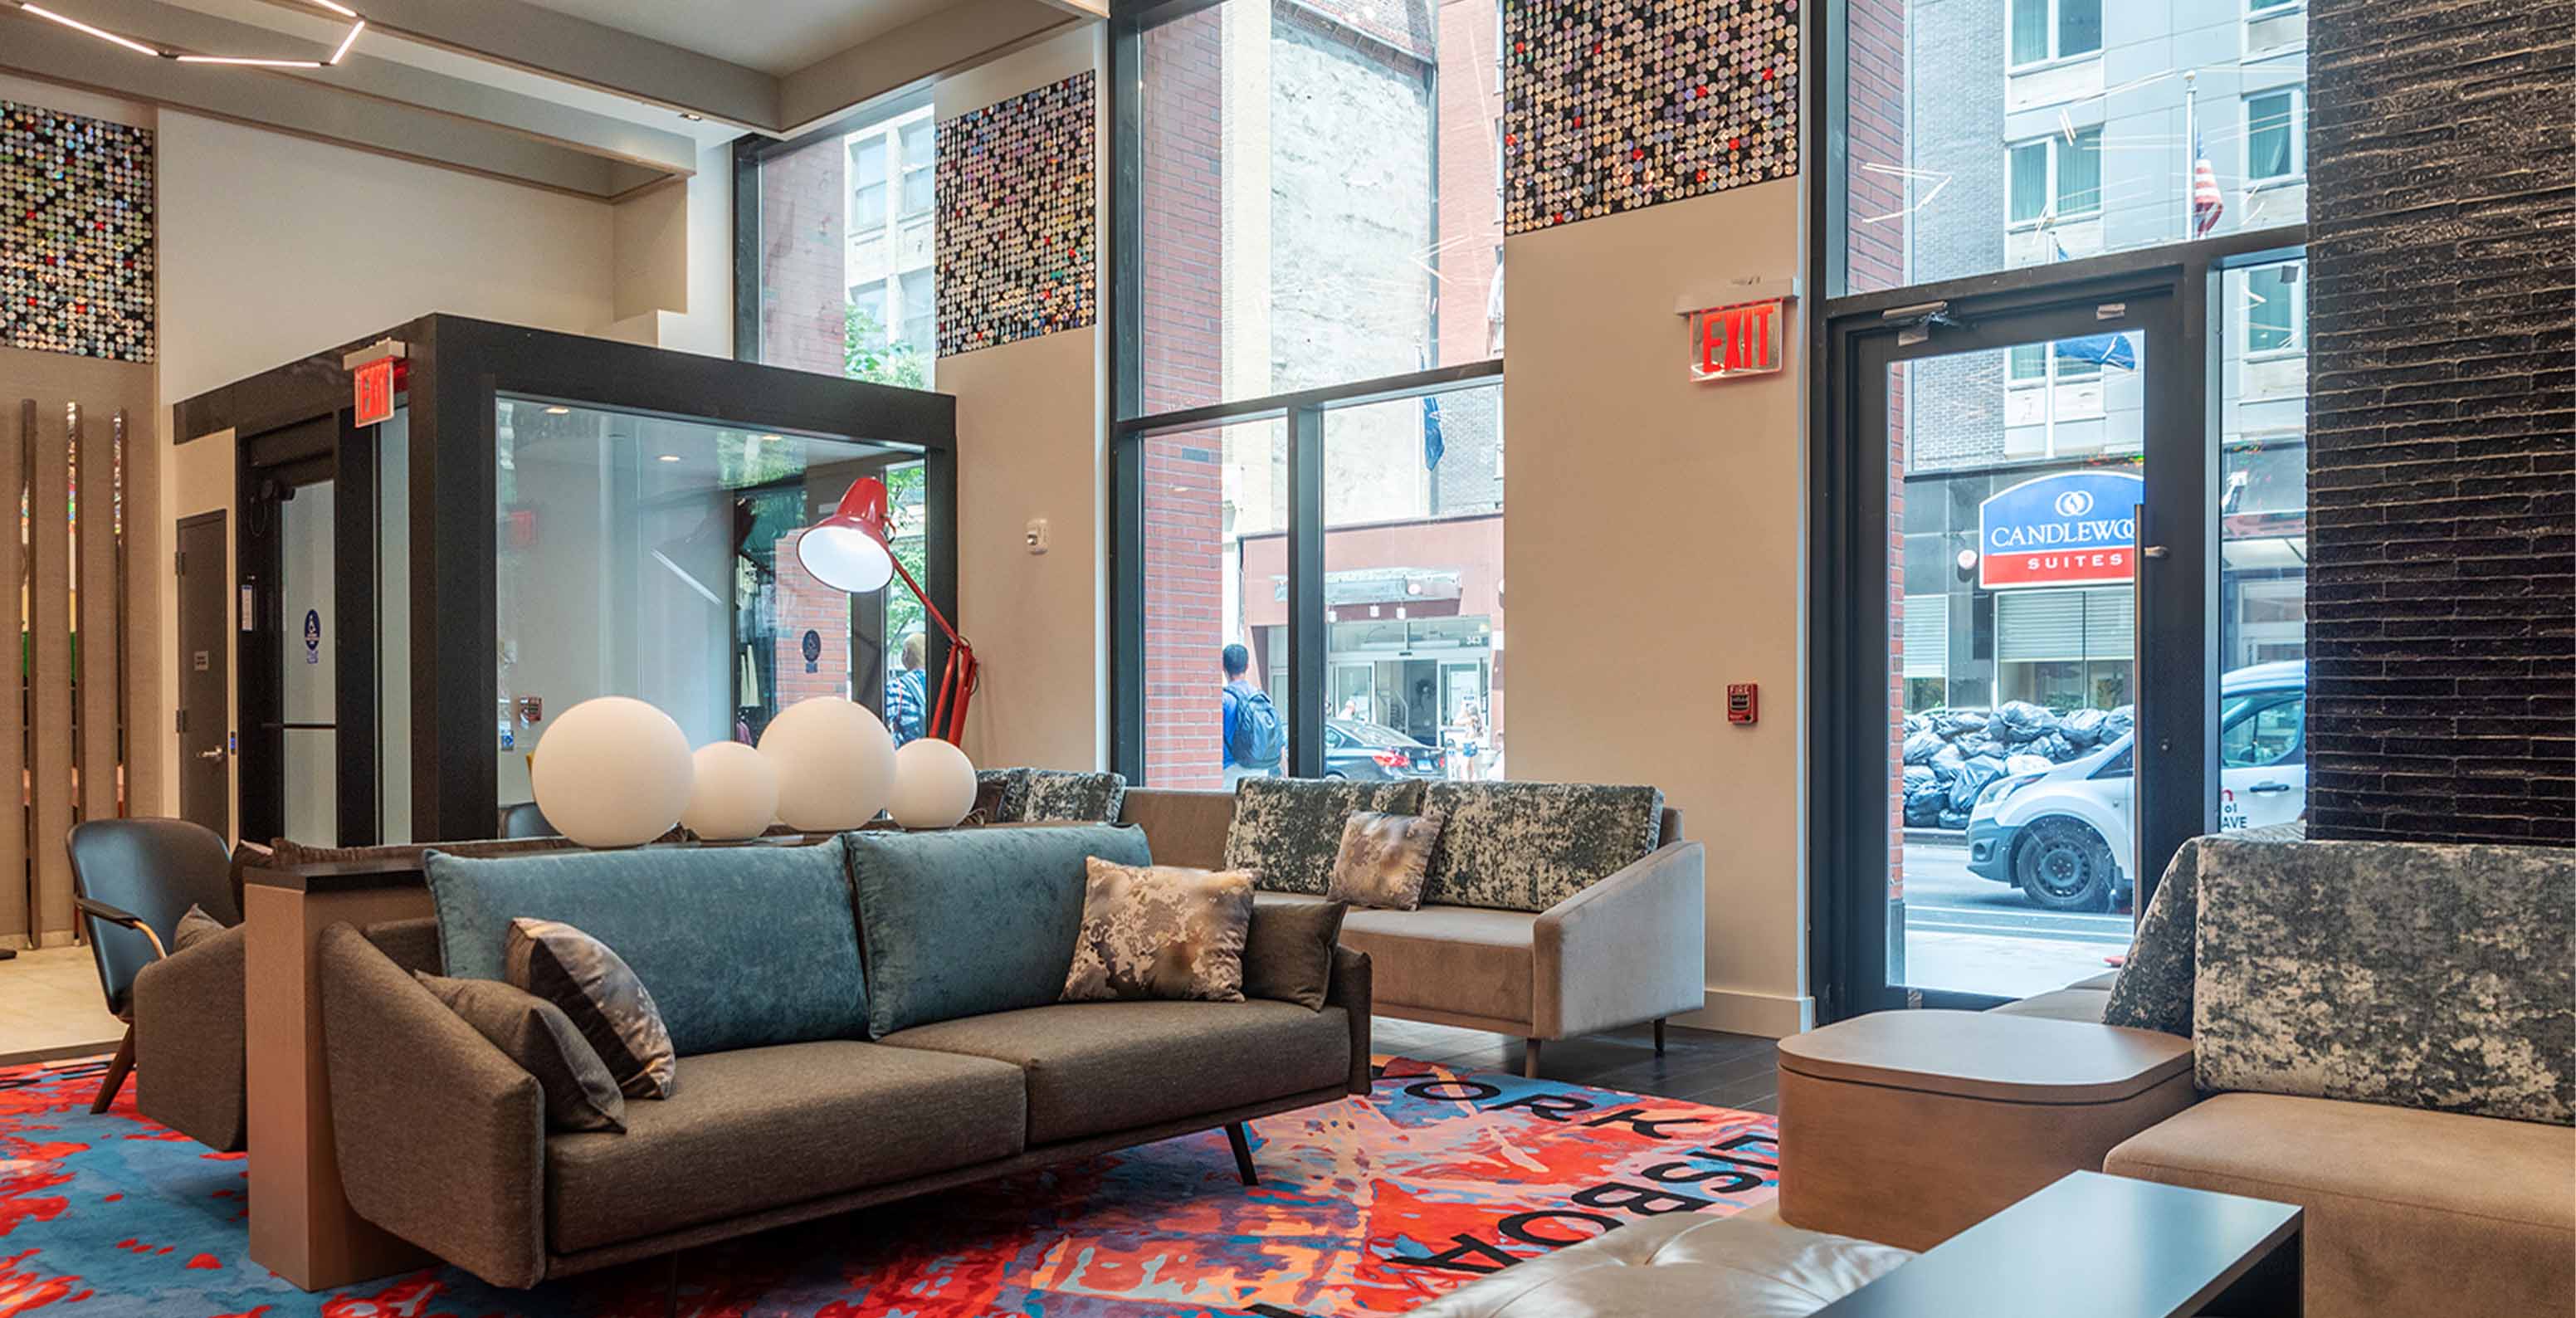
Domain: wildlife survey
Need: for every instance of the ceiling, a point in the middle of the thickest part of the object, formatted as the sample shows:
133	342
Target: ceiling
598	98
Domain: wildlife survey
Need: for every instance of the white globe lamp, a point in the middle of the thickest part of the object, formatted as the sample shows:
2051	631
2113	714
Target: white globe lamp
834	761
934	784
612	772
736	794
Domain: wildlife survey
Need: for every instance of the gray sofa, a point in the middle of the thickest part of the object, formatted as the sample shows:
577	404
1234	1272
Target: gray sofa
443	1140
1626	948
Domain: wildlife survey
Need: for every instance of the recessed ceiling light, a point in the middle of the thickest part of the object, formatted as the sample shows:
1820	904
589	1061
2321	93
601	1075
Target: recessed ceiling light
692	117
557	411
670	457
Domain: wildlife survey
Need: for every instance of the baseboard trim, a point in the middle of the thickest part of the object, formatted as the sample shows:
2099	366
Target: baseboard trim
1774	1015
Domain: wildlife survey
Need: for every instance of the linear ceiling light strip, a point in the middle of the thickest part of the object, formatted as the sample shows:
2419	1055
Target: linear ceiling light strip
357	25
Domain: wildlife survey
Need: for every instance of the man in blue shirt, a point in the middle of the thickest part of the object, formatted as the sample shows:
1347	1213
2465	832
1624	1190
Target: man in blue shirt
907	694
1252	737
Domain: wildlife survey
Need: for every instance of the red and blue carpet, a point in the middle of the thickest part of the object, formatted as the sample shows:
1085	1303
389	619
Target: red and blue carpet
1366	1206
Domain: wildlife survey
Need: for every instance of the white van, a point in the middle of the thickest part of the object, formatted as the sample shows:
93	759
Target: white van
2062	835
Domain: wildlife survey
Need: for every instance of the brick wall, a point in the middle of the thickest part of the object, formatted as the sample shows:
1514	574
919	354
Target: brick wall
2442	320
1876	62
1183	475
803	299
805	604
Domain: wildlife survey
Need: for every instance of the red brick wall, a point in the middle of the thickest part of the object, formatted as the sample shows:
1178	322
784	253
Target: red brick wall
805	603
1471	227
1183	366
804	259
1874	116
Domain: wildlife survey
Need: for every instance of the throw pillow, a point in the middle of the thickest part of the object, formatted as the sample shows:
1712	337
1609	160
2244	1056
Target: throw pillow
1160	931
1088	798
1286	831
543	1041
596	990
195	927
1384	860
2154	986
1528	846
969	922
1288	951
1002	794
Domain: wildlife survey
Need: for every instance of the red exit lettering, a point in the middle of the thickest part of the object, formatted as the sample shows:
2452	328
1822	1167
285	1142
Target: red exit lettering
1739	340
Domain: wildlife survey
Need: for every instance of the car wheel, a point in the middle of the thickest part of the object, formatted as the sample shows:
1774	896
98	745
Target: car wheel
1335	775
2061	864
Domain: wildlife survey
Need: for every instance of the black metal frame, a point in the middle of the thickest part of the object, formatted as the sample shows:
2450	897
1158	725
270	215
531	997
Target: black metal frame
458	367
1303	410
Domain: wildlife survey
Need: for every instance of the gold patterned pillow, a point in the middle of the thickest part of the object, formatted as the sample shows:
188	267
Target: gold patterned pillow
1384	859
1160	931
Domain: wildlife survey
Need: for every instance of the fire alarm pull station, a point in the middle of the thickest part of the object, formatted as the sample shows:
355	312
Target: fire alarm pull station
1743	702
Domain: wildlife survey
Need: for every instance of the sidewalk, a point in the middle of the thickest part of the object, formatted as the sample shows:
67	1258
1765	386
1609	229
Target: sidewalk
2008	967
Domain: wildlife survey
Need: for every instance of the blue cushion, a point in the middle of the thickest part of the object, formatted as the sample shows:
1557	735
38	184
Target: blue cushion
974	921
739	946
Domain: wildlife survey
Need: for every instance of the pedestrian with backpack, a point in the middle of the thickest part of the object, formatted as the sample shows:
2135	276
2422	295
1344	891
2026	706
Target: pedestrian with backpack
1255	740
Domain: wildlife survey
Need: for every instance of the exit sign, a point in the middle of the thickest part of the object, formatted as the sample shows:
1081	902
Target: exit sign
1744	339
375	387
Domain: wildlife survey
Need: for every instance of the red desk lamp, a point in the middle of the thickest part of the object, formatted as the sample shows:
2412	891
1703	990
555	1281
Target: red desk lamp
850	551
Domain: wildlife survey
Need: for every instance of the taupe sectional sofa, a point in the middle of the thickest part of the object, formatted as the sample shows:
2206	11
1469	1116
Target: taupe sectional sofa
1627	947
444	1141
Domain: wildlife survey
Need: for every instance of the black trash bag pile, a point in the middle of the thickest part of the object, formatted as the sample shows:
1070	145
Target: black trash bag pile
1952	754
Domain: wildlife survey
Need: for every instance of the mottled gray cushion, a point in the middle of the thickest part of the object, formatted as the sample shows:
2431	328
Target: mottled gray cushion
2406	974
600	994
535	1034
1002	795
2153	990
1288	830
1058	794
1528	846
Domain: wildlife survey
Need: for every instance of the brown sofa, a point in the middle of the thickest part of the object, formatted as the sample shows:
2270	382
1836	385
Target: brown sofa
442	1139
1906	1127
1626	949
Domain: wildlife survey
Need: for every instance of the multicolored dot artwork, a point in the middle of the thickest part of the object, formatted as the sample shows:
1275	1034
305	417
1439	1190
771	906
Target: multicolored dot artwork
1612	105
75	234
1017	218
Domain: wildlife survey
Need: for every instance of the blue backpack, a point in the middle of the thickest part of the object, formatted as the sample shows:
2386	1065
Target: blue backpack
1259	737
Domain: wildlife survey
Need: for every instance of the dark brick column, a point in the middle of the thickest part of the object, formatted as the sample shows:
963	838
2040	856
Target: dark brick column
2442	327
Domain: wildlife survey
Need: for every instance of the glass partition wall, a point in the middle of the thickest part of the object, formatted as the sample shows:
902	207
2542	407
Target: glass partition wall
544	519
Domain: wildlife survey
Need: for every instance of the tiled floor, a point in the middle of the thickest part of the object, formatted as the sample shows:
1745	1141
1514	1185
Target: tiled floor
1701	1066
50	1007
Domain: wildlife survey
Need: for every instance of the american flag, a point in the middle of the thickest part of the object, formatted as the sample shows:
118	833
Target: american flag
2206	205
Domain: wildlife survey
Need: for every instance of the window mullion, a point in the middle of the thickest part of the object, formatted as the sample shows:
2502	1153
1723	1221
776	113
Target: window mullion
1307	629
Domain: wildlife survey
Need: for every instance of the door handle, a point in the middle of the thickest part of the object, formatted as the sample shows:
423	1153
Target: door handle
215	754
2269	787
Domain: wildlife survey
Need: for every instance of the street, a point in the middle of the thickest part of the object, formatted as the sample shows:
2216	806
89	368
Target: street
1974	935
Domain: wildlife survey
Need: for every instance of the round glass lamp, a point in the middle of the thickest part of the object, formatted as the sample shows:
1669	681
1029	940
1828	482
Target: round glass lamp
736	794
934	784
612	772
835	764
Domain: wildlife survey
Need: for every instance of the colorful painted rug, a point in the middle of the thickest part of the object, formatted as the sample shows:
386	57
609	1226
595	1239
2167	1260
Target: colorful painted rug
1366	1206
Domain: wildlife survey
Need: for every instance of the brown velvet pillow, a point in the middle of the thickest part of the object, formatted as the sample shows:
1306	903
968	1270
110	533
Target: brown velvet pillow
1288	954
1160	931
535	1033
600	994
1384	860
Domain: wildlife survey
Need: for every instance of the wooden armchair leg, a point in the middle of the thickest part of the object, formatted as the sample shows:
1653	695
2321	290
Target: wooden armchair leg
117	1069
1659	1036
1529	1059
1234	1135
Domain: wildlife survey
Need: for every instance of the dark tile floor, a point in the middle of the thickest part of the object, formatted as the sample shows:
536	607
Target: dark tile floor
1698	1066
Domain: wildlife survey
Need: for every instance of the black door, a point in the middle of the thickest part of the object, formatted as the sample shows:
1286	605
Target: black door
205	672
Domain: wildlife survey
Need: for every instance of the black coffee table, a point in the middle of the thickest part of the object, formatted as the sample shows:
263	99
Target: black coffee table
2102	1247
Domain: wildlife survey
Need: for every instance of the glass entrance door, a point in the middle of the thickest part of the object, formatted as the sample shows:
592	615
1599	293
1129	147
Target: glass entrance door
2021	470
308	668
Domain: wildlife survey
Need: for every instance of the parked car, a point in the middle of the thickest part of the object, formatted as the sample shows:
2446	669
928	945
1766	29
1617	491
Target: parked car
1364	751
2062	835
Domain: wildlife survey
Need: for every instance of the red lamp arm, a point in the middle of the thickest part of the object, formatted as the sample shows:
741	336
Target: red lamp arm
957	684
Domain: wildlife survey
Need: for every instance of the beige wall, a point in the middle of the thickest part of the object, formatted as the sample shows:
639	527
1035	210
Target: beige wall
1654	554
1029	444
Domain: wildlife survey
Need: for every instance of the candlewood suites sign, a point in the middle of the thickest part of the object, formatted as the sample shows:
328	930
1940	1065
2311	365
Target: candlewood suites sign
2074	528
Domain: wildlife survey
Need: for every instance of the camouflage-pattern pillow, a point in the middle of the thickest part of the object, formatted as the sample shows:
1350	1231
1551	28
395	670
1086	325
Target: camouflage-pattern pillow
2153	990
2406	974
1086	798
1286	831
1384	860
1002	794
1159	932
1528	846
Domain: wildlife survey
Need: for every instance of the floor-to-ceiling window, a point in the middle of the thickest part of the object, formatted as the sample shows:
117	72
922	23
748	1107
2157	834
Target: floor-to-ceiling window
2065	150
844	279
1308	314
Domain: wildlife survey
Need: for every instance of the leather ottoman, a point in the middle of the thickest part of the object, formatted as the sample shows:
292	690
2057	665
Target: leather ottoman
1909	1127
1744	1266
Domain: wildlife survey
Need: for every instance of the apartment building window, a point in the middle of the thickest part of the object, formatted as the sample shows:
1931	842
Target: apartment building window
2045	31
1309	440
2274	309
2058	177
844	281
2267	8
2273	152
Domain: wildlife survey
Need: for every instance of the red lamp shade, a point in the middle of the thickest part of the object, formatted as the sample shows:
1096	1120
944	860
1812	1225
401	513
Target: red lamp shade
847	550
